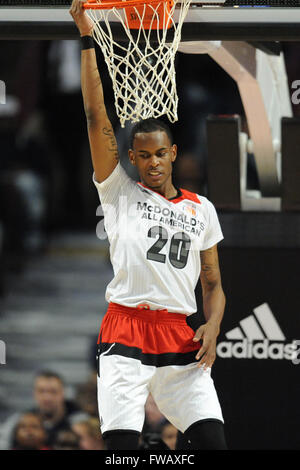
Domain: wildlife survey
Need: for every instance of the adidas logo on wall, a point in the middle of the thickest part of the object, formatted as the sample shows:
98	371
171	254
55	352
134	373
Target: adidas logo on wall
259	336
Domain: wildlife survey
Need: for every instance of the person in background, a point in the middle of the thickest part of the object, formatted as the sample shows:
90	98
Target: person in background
57	413
169	435
89	434
29	433
86	396
153	417
66	440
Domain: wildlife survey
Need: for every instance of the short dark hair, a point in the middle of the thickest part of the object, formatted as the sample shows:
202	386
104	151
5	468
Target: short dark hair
48	374
149	125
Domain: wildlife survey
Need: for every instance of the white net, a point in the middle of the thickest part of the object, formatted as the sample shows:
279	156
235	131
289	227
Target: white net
142	67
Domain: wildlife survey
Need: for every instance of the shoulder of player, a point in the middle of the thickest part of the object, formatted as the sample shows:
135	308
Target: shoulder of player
118	173
194	197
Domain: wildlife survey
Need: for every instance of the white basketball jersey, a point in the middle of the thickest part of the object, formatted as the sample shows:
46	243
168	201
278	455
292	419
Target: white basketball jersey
155	243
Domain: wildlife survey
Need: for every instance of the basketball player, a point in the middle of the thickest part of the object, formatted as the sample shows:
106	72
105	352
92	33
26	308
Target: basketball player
161	238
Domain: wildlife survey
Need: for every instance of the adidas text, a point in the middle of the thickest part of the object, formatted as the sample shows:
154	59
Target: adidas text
265	349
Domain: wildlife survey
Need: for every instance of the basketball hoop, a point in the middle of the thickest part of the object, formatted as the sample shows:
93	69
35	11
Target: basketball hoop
142	69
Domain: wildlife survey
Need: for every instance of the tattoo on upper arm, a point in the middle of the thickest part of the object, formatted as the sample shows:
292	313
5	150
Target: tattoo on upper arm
210	272
112	141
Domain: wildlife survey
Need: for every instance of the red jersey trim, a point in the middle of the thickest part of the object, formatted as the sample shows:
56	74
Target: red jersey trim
185	195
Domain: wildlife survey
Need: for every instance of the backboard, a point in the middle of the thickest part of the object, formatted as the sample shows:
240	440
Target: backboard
247	20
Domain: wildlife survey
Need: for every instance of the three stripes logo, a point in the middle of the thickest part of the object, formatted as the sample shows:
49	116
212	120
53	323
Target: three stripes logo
259	336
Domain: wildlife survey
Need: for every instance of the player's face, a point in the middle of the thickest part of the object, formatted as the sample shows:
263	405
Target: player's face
153	155
49	394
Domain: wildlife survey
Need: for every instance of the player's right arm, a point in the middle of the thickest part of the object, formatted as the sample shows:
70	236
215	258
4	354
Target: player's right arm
103	145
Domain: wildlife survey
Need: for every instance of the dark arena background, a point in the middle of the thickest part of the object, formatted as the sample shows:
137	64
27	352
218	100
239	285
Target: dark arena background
238	137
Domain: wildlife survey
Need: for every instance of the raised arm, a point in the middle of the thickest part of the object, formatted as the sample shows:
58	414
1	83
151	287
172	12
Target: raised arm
102	140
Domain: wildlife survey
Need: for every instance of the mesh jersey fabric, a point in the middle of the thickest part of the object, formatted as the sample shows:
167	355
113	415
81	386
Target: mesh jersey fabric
155	243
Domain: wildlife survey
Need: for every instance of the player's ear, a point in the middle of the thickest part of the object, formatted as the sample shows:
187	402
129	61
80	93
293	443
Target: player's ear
174	153
131	157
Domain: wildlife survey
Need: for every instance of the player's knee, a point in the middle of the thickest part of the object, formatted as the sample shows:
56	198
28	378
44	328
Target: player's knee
121	439
204	435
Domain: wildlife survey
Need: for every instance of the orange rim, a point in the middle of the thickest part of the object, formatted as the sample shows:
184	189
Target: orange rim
109	4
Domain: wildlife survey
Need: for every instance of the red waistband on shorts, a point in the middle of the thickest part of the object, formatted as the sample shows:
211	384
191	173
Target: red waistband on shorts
144	313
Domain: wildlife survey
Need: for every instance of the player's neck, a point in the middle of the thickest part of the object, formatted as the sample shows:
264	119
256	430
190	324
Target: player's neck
169	193
173	192
167	190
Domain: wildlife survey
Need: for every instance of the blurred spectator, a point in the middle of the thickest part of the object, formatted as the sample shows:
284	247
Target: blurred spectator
90	437
169	435
29	433
86	397
153	417
66	440
56	412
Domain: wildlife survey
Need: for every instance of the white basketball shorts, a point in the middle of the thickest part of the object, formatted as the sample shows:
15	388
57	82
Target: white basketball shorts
144	351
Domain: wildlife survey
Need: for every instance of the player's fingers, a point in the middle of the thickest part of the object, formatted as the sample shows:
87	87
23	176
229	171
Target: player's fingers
199	333
76	7
202	361
207	361
73	9
79	6
203	349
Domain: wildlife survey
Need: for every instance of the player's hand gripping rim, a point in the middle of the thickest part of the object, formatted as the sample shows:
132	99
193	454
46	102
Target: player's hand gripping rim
83	22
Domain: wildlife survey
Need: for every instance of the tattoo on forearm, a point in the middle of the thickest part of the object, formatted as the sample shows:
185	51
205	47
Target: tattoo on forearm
112	141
